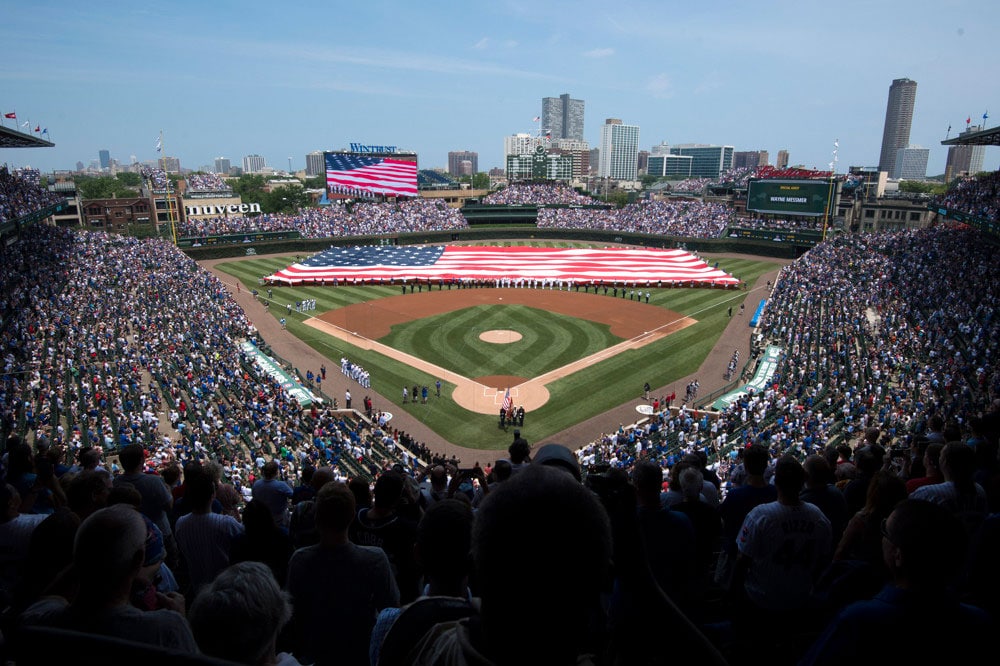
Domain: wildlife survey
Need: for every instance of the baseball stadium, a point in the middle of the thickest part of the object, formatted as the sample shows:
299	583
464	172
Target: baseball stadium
757	337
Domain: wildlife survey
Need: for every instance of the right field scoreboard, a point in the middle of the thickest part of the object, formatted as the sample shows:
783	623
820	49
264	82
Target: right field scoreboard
803	198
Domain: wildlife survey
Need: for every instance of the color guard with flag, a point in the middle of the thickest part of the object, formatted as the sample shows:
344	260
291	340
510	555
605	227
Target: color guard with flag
505	407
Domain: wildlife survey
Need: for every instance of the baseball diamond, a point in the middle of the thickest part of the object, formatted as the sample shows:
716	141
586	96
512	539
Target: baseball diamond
638	323
579	393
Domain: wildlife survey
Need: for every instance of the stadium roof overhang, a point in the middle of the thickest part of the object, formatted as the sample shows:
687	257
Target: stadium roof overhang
988	137
11	138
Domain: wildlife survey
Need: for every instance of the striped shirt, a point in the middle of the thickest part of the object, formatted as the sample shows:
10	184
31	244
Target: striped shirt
787	546
970	508
205	540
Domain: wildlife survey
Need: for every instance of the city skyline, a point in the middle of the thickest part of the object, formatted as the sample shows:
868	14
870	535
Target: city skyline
241	80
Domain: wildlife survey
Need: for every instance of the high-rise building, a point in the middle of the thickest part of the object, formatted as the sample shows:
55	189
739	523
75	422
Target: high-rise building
578	150
782	161
748	159
253	164
497	177
223	165
709	161
898	118
562	117
661	165
619	150
520	144
315	163
170	164
105	158
964	159
911	163
463	162
662	148
643	162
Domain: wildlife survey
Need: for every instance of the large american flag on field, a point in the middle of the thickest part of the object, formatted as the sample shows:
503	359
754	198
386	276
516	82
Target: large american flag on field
367	176
456	262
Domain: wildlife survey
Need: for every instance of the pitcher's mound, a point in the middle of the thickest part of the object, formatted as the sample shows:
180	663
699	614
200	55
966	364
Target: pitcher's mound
500	336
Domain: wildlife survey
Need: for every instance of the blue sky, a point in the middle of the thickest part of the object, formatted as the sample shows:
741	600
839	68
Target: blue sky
224	78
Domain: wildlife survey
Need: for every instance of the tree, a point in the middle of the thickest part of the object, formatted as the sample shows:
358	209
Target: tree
618	197
287	199
477	181
921	187
102	187
129	179
315	183
250	187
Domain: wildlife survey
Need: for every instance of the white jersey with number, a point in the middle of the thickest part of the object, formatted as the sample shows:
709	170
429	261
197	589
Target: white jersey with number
787	545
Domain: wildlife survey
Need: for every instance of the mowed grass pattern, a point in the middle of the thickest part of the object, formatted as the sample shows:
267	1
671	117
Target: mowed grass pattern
549	340
573	399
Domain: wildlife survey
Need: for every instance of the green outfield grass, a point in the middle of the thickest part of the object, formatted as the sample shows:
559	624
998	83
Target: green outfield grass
549	341
573	399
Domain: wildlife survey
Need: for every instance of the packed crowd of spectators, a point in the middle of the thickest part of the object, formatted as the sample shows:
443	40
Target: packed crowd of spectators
156	176
207	182
976	195
874	332
689	218
801	224
21	193
888	339
538	193
310	222
693	219
889	353
102	356
737	177
408	215
740	177
771	171
29	175
692	185
362	219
